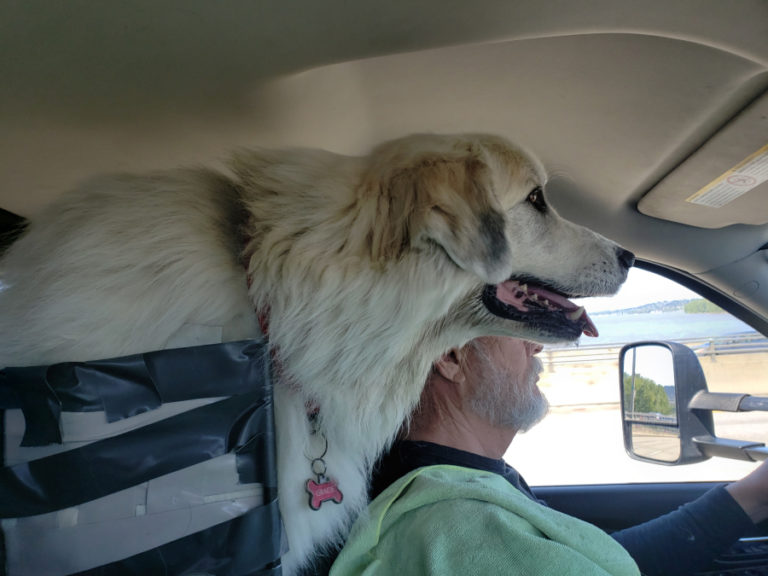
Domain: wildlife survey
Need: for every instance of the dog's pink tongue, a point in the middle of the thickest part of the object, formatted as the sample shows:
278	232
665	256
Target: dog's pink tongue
514	294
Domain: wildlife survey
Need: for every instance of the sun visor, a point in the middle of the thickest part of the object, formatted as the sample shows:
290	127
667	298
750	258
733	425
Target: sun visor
724	182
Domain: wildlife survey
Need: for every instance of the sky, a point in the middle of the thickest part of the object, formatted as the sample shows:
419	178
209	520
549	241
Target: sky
641	287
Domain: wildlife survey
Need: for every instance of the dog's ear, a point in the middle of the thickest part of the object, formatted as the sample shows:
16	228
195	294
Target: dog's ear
446	202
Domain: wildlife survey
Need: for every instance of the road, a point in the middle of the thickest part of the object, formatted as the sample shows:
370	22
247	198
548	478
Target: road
583	445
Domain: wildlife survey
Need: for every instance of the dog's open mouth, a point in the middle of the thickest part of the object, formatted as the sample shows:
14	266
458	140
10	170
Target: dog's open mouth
532	303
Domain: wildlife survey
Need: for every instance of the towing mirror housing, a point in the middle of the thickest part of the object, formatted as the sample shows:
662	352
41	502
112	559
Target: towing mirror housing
658	381
667	409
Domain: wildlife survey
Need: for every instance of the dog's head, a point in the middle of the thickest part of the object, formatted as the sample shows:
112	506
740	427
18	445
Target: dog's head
473	210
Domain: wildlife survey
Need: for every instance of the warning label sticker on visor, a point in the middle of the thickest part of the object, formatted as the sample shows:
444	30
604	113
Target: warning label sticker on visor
739	180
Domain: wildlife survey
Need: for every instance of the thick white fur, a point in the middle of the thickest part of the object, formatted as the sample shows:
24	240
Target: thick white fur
370	268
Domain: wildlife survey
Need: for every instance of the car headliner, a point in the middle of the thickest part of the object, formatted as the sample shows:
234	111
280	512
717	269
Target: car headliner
632	106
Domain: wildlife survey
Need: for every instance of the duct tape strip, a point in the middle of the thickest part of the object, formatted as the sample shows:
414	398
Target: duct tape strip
124	387
31	392
241	423
247	545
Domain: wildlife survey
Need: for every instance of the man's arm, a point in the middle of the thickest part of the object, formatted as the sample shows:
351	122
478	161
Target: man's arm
689	538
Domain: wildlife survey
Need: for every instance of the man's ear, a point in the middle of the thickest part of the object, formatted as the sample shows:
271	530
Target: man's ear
449	367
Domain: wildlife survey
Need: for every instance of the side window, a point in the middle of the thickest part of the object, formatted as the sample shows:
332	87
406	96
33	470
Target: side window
580	441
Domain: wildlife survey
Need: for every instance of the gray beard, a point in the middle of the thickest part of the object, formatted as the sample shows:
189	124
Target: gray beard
517	405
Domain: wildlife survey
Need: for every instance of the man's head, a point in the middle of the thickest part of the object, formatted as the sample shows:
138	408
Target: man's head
484	391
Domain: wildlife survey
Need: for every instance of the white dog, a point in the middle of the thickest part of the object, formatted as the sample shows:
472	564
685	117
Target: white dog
368	268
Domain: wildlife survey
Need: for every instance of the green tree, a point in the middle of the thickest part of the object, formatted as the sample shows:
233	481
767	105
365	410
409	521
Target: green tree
700	305
649	396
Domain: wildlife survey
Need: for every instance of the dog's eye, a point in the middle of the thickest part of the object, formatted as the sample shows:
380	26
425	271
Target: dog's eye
536	198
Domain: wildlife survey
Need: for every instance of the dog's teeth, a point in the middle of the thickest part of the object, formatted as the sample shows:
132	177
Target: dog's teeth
534	297
524	288
576	314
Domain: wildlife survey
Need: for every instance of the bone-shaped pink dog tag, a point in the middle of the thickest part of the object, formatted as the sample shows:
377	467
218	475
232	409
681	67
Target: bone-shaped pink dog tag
319	493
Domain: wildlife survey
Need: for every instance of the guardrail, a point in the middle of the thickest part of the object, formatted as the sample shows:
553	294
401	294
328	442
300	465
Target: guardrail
653	418
752	342
746	343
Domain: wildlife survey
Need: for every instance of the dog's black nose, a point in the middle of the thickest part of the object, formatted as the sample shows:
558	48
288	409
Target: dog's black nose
626	258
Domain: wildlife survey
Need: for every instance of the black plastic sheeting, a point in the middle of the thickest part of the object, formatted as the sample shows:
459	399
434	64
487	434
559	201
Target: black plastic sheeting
127	386
233	547
241	422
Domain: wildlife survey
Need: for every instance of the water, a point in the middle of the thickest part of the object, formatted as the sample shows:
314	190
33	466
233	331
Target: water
624	328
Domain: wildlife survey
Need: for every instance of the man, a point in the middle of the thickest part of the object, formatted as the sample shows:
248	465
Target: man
446	503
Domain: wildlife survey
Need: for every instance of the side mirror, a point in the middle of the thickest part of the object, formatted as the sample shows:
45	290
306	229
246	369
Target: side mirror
667	410
658	380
